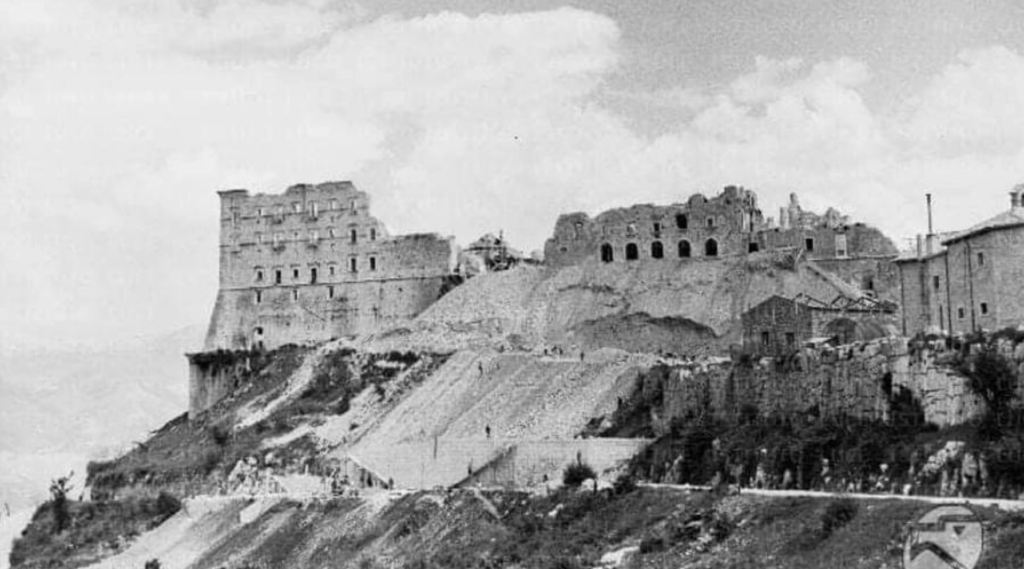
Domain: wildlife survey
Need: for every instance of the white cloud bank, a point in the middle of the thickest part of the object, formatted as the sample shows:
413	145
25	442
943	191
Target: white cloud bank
119	120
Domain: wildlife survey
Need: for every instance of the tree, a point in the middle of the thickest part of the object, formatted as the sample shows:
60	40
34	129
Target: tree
993	378
59	489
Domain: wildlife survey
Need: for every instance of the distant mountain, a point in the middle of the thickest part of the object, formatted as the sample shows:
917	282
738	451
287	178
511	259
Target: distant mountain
59	408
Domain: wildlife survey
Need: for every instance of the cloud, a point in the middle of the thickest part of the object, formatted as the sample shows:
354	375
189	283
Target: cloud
119	121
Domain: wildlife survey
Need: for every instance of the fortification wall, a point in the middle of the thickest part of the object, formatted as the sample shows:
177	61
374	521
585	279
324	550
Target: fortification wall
312	264
847	381
212	376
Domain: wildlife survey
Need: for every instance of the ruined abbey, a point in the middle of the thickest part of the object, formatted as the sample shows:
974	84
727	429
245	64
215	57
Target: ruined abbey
312	264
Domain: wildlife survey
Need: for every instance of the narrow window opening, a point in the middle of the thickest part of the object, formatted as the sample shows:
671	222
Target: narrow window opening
259	296
684	249
295	294
373	263
295	273
373	234
330	292
681	221
841	246
657	250
352	265
960	313
331	270
809	244
277	276
711	222
766	339
657	228
941	318
984	308
312	275
632	252
353	236
607	254
753	247
259	276
935	282
981	259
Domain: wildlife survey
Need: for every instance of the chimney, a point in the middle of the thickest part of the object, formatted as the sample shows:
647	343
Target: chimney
1017	197
933	243
920	246
783	218
929	198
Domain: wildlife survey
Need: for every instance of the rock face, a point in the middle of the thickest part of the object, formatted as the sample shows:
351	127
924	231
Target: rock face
689	306
858	380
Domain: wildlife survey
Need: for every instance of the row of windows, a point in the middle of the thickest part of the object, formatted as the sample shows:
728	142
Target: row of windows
295	295
353	267
961	313
684	251
314	236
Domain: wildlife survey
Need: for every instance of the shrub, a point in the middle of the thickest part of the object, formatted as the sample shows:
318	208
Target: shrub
837	514
152	564
167	505
576	473
624	484
652	544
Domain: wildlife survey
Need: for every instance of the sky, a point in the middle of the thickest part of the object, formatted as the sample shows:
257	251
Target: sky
120	119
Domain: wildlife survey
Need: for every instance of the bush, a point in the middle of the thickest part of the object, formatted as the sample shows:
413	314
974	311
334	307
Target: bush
652	544
624	484
576	473
152	564
837	514
167	505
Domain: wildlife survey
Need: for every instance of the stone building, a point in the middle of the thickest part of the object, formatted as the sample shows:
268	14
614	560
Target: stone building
779	325
312	264
727	225
967	280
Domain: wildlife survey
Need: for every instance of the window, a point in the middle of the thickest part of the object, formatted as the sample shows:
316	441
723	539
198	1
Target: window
577	229
352	265
711	222
353	236
630	229
790	340
960	313
984	308
657	250
681	220
711	248
277	276
330	292
657	228
260	212
296	207
841	246
753	247
940	315
330	232
373	234
331	270
981	259
809	244
295	294
373	263
314	209
607	254
632	252
295	273
766	339
259	296
935	282
259	275
312	275
353	204
684	249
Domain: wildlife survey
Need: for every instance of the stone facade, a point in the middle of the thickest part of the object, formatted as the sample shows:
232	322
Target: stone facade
727	225
781	325
969	280
312	264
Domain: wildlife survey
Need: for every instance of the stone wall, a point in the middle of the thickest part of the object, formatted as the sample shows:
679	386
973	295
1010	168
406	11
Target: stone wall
212	376
312	264
833	382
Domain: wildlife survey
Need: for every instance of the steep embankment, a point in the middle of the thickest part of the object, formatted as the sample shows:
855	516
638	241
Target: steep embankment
673	305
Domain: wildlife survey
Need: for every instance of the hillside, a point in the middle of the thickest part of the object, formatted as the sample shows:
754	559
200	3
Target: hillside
677	306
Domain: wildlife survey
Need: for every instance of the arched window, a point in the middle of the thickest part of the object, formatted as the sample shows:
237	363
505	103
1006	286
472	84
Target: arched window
632	252
711	248
684	249
657	250
681	220
353	236
607	255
